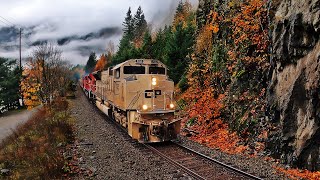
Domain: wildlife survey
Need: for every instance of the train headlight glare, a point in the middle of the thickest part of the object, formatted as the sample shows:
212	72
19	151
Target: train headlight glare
154	81
171	106
144	107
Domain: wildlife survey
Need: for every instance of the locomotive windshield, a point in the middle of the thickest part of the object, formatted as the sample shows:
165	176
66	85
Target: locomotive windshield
157	70
134	70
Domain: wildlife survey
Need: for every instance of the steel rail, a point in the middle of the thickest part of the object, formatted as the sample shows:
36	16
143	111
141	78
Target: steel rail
190	172
218	162
187	170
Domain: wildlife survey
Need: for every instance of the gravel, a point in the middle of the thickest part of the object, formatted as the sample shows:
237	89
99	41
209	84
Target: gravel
254	165
107	153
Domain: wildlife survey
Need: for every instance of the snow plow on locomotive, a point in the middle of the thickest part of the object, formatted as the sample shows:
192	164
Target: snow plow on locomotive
138	95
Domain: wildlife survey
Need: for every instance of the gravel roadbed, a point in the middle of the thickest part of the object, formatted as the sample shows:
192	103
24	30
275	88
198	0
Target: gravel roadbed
253	165
108	154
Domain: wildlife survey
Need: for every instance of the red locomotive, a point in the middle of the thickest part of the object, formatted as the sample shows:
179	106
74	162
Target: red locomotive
88	84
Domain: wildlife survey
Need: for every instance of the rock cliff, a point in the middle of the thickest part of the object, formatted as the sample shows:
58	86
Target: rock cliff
293	94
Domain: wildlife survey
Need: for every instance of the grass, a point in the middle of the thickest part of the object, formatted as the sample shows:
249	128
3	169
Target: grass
35	149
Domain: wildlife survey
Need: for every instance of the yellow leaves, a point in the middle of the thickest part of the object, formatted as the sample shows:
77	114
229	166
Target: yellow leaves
231	4
204	40
34	98
184	16
30	88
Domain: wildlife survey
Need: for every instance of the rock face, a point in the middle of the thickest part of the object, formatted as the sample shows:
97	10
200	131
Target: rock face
293	94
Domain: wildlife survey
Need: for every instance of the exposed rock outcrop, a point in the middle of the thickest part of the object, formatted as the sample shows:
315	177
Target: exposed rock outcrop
294	88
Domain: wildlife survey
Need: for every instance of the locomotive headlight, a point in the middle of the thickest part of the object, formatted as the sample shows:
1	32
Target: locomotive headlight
154	81
144	107
171	106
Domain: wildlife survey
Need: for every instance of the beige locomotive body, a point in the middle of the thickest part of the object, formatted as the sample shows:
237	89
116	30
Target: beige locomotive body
139	95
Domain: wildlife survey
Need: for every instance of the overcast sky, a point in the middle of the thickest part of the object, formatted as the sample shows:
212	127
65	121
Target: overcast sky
56	19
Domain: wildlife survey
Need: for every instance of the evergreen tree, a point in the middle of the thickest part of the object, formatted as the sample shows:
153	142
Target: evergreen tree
10	75
160	47
180	8
128	25
91	63
179	50
147	46
134	28
139	23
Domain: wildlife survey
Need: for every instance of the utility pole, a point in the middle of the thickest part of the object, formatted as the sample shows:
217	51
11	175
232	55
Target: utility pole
20	49
21	103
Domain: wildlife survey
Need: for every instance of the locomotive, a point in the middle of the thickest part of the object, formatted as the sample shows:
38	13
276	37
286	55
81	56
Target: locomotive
137	94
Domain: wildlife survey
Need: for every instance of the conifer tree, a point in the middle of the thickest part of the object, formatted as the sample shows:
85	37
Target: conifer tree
147	46
132	40
160	48
179	49
128	25
91	63
139	23
10	75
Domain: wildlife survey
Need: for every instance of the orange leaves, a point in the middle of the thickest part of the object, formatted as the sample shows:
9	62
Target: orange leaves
214	24
205	106
214	28
217	136
299	174
249	25
101	63
217	79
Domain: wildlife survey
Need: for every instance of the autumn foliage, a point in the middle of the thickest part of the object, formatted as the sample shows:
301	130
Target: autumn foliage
35	149
45	76
226	76
30	88
101	63
299	174
182	15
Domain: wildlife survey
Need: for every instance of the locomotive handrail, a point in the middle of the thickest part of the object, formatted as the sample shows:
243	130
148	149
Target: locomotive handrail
133	99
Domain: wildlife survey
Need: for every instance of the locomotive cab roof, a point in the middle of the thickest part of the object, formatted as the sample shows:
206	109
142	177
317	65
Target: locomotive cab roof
140	62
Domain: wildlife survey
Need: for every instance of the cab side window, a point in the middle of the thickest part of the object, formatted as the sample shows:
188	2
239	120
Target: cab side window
110	71
117	73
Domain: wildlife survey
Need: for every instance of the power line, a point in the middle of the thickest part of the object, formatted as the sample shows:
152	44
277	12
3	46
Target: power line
4	22
25	41
7	20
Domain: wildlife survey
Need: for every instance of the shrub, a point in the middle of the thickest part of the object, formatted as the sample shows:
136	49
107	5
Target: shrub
34	149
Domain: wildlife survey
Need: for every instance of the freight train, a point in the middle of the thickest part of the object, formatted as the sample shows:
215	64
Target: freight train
137	94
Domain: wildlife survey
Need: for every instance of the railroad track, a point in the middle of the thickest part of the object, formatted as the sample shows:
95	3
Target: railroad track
195	164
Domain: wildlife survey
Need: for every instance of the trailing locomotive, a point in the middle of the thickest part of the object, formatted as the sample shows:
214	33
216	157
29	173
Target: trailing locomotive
88	83
139	95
